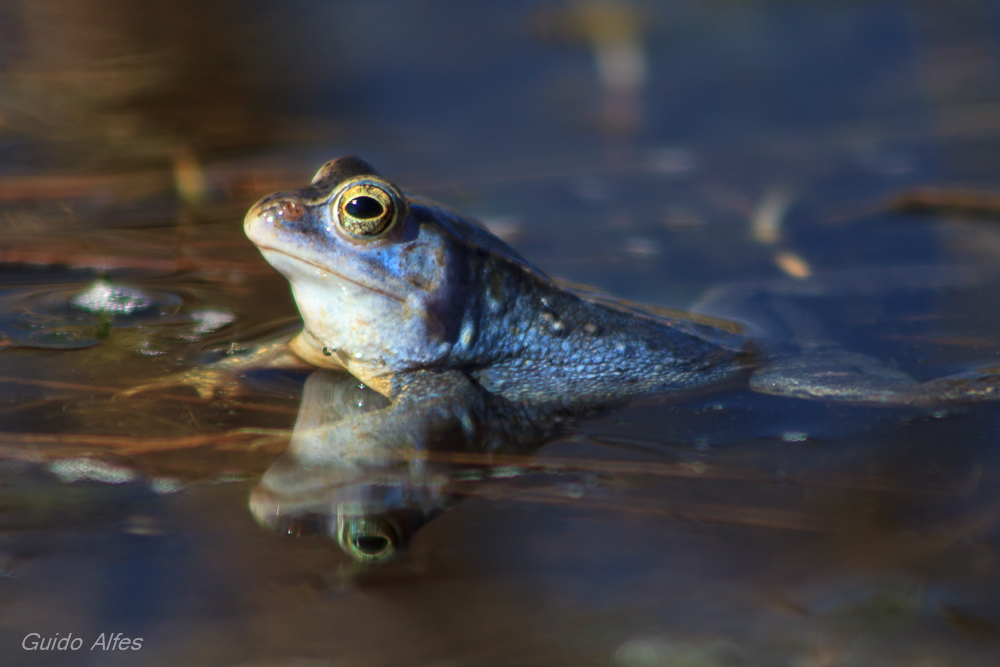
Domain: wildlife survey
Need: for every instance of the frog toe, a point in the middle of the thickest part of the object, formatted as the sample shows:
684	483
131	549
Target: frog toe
207	382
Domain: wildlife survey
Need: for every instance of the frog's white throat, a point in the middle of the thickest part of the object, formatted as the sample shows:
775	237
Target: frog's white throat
366	330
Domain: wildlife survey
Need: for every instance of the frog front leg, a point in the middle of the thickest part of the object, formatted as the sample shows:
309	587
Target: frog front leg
223	375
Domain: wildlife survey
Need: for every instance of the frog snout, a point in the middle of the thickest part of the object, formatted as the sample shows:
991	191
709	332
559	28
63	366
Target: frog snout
272	213
277	206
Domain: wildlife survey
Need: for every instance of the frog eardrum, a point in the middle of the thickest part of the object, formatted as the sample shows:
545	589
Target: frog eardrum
367	208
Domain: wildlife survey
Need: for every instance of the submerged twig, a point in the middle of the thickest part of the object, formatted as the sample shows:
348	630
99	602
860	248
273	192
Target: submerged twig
697	470
945	201
758	517
180	398
56	445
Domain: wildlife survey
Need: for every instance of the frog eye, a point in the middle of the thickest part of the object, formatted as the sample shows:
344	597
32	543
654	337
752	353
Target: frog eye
366	210
369	540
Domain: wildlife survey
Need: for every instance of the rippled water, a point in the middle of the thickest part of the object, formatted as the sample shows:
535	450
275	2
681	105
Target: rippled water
749	147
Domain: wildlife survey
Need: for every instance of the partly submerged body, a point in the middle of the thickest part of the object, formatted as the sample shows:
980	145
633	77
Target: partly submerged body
391	286
477	350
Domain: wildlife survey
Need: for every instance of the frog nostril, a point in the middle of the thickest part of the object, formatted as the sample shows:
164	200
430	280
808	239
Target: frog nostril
290	210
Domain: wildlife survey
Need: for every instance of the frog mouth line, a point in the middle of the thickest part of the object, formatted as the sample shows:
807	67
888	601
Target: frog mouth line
339	275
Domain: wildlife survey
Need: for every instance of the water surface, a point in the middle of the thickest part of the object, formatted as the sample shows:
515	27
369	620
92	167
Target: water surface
734	144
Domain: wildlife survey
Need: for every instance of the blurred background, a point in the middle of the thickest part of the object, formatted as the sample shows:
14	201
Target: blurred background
655	150
669	123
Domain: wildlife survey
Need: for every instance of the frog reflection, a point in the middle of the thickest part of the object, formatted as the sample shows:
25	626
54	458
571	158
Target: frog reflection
378	481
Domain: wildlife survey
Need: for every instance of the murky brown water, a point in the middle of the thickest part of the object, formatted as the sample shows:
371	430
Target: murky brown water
657	151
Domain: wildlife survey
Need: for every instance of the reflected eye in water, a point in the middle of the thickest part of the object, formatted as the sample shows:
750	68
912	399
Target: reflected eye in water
369	540
367	209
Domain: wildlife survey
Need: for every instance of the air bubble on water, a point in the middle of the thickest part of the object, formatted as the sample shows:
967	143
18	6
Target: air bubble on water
504	472
80	469
663	651
105	297
165	485
642	246
147	348
140	524
207	320
228	477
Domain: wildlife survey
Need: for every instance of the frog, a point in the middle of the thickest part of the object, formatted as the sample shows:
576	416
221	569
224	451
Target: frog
471	346
401	291
398	290
409	296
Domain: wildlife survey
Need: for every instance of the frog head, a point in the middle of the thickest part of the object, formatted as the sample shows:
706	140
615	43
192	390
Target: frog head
374	275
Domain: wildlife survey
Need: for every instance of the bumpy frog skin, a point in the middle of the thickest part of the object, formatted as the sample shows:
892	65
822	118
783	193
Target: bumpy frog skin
391	285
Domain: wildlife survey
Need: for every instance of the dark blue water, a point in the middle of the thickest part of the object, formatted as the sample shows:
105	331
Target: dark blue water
726	528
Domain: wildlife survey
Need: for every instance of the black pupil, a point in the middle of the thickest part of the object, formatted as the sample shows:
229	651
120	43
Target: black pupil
370	545
364	208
